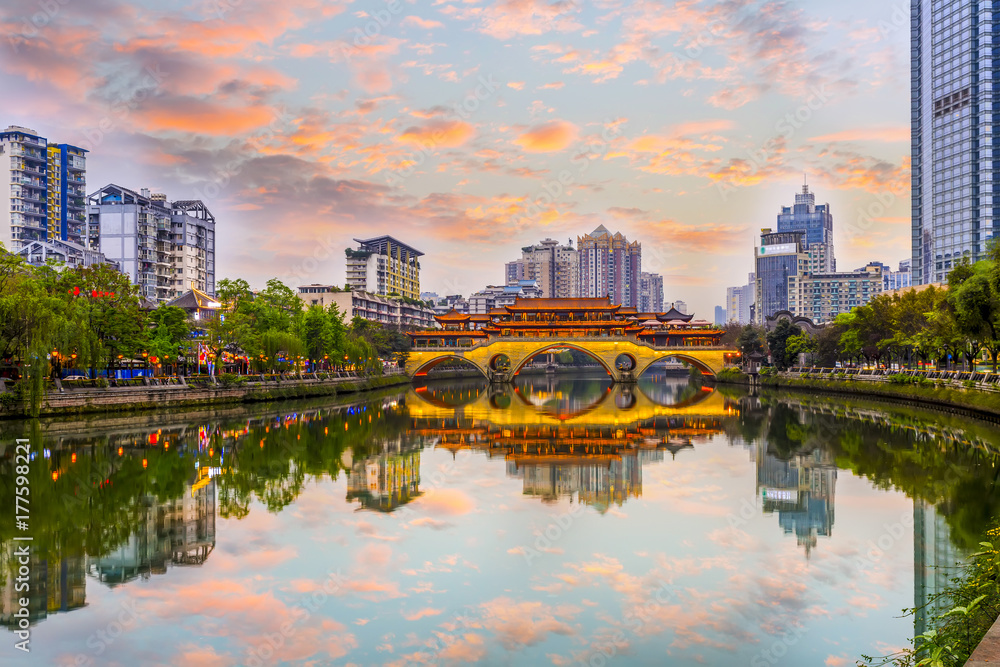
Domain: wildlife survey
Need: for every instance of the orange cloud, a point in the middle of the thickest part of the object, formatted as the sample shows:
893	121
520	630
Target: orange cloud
421	23
437	133
888	134
421	613
448	502
548	137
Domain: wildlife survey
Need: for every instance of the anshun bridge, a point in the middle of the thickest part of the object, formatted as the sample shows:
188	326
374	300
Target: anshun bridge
623	341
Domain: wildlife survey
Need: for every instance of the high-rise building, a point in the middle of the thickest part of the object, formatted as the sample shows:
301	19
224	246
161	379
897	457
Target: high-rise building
555	267
720	316
43	200
953	105
739	299
894	280
778	258
609	266
823	296
384	266
816	221
650	293
164	247
681	307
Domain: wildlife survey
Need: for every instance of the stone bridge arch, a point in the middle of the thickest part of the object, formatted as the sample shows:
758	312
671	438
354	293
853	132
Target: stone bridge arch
704	365
542	349
427	364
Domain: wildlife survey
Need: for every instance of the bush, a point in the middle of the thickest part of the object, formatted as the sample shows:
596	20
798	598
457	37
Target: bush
228	380
103	383
767	371
7	400
732	374
969	384
973	605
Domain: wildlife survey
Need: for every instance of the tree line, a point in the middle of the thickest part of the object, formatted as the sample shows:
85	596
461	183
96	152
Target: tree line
952	327
93	320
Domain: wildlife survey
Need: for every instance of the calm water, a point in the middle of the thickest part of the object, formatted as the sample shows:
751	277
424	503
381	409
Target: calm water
560	522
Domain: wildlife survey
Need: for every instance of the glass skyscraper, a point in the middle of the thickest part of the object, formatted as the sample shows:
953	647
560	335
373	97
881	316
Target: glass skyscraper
815	220
953	93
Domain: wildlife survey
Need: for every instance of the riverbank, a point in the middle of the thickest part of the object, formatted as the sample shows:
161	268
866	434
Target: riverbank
970	401
130	399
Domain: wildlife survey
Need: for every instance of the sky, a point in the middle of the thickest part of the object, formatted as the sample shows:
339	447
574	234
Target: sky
469	129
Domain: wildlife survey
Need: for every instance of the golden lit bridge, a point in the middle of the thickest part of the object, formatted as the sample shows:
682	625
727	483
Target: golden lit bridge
623	341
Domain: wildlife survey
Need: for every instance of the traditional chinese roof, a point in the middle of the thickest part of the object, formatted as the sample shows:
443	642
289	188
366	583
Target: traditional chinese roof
195	299
674	314
452	316
534	305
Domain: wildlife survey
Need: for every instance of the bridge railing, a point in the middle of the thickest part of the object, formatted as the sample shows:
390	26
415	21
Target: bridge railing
568	341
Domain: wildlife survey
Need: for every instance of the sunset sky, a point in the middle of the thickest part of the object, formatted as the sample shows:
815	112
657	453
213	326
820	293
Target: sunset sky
449	124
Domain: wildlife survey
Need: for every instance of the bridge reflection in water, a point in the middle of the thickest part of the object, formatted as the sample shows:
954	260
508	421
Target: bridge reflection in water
585	439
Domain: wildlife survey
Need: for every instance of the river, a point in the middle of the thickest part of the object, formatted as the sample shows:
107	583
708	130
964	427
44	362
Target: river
560	521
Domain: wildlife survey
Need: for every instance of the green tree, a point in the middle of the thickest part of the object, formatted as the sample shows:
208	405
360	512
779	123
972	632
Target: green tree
777	341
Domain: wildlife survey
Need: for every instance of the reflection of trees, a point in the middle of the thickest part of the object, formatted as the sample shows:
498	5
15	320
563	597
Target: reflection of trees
896	448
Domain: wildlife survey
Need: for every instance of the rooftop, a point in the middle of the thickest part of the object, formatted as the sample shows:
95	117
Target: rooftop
380	244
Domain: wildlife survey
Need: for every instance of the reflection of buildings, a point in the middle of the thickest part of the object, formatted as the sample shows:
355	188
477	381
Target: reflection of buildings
597	484
936	561
387	480
800	490
53	586
179	531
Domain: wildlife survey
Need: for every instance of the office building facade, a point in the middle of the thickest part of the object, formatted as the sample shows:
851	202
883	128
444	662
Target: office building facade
384	266
815	221
164	247
778	258
609	266
955	192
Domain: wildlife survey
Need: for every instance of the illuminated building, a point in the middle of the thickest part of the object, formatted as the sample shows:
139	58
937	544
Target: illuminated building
384	266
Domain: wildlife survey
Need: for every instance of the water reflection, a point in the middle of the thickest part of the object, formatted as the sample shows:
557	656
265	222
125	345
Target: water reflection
678	482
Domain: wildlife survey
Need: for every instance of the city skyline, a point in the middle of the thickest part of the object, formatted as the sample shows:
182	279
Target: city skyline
291	125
